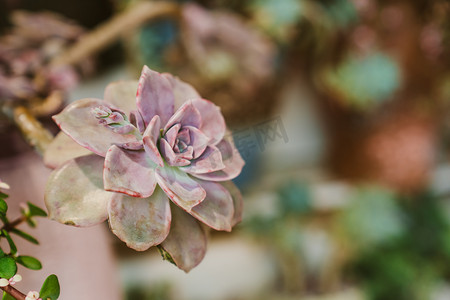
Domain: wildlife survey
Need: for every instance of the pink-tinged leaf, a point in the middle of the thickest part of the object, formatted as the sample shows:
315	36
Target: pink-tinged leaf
216	210
138	145
122	94
198	140
186	242
171	134
231	159
150	139
154	96
186	115
78	122
238	202
129	172
137	120
209	161
181	189
61	149
74	193
181	90
140	222
213	123
170	156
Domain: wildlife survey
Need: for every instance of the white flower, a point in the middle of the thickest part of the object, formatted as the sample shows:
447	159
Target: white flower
12	281
4	282
32	295
4	185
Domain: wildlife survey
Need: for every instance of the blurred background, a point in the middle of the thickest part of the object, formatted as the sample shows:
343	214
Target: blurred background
340	108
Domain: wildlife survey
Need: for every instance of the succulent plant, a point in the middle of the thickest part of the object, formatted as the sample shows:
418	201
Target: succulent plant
164	143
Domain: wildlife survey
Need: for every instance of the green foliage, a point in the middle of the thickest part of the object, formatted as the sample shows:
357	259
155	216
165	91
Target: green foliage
8	267
166	255
404	268
295	198
7	296
363	82
277	16
12	245
35	211
25	235
50	289
8	262
3	206
373	218
341	12
29	262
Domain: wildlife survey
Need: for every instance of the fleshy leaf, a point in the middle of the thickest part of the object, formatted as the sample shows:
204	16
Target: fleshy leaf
35	211
29	262
181	90
216	210
181	189
25	235
154	96
209	161
150	138
186	242
231	159
170	156
171	134
186	115
198	140
213	123
61	149
238	202
129	172
74	194
78	122
140	222
12	245
122	94
7	296
50	289
3	206
8	267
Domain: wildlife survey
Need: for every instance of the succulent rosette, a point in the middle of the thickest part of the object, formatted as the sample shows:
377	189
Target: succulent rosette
161	167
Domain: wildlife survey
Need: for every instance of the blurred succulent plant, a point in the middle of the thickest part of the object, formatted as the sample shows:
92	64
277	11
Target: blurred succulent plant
217	52
26	75
172	146
364	82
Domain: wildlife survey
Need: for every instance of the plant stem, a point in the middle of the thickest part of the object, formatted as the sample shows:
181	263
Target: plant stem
108	32
33	131
13	224
14	292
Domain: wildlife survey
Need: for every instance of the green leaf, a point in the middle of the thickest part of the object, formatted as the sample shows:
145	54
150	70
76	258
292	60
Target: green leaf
30	222
165	255
50	288
12	246
7	296
25	236
36	211
29	262
3	206
4	219
2	253
3	195
8	267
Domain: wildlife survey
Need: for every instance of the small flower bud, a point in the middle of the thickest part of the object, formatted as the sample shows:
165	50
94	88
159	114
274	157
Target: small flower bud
115	117
101	111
